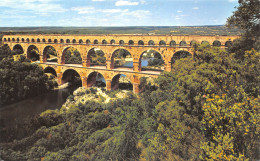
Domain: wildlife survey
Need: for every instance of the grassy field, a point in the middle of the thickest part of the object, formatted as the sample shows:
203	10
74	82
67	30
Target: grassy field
169	30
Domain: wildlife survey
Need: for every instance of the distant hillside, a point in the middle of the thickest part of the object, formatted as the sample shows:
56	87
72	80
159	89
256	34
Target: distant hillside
169	30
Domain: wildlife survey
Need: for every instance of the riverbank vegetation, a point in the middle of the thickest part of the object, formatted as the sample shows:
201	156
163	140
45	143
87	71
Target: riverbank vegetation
20	79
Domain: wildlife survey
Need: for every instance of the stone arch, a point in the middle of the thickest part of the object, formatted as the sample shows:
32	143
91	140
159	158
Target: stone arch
50	70
38	40
52	53
64	52
80	41
123	54
68	41
13	39
130	42
173	43
183	43
4	39
204	42
74	41
99	56
22	39
95	41
61	41
33	53
43	40
87	41
72	77
112	42
119	82
18	48
33	40
121	42
27	40
104	42
216	43
49	40
179	55
140	42
193	42
9	39
17	39
155	57
96	79
162	43
228	43
55	41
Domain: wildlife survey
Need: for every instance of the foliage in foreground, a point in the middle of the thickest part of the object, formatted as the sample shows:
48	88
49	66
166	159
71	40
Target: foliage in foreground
205	110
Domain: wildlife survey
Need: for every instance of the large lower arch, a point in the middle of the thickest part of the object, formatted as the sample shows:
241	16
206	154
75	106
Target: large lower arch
71	55
96	79
33	53
121	58
49	54
121	81
96	57
179	55
50	70
72	77
151	60
18	49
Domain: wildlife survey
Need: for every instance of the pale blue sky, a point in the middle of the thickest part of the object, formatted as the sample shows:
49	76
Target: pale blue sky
19	13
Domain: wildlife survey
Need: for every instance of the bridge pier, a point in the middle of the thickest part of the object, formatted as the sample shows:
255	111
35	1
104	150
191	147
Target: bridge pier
136	89
136	66
59	78
108	85
168	67
84	82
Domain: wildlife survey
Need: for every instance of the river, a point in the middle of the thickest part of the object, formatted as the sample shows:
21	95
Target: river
15	113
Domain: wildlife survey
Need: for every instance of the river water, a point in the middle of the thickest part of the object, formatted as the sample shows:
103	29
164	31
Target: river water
15	113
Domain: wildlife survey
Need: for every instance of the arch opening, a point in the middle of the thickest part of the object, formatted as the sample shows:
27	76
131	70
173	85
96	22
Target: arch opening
81	41
228	44
96	79
193	42
205	43
72	77
71	56
33	53
17	39
183	43
121	58
173	43
95	41
216	43
140	42
68	41
17	49
179	55
162	43
61	41
112	42
121	42
74	41
96	57
87	41
151	60
130	42
122	82
50	70
43	40
38	40
104	42
50	54
49	40
55	41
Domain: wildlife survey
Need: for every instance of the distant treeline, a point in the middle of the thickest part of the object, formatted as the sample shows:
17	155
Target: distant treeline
172	30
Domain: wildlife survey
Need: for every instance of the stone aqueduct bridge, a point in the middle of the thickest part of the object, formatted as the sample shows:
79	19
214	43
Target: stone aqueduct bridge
166	45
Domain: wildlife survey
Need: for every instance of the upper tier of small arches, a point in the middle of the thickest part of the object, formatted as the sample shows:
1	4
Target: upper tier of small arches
171	43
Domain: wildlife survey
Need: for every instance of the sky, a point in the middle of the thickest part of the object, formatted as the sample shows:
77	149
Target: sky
92	13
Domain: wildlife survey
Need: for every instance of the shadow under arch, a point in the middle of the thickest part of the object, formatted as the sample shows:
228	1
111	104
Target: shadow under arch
179	55
49	54
96	57
50	70
121	58
72	77
18	49
121	81
71	55
33	53
96	79
151	60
